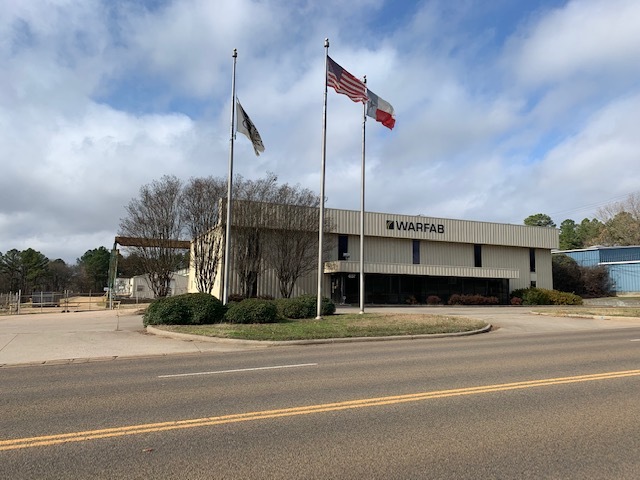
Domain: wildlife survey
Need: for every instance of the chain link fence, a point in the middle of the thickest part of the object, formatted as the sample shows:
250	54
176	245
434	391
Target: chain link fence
13	303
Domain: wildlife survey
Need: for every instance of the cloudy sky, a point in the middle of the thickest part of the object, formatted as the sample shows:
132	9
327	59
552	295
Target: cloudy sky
504	108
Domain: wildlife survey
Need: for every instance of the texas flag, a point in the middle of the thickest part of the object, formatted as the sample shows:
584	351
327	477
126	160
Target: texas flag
380	110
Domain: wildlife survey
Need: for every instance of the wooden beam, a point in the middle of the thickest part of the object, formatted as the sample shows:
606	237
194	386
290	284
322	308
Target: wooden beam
153	242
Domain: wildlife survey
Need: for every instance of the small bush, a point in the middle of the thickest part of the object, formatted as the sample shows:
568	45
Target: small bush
536	296
564	298
291	308
543	296
252	310
411	300
166	311
519	293
516	301
187	309
433	300
457	299
205	308
304	306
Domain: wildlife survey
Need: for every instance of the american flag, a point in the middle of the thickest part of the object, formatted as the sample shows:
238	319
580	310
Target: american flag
345	83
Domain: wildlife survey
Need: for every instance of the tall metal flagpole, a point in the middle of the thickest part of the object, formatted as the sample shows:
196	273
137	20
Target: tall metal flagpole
324	158
364	130
227	236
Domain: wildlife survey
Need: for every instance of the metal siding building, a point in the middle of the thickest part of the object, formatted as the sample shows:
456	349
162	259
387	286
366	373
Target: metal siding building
622	263
409	258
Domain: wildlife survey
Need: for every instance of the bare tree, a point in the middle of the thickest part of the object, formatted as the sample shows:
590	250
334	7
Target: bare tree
155	216
292	239
250	215
621	222
200	207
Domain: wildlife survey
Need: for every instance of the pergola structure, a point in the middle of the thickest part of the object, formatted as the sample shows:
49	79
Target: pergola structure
137	242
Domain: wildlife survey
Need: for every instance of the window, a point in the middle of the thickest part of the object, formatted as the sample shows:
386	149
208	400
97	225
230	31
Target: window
477	255
343	247
532	259
416	252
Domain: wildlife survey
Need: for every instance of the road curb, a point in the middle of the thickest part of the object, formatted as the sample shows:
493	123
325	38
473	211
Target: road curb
270	343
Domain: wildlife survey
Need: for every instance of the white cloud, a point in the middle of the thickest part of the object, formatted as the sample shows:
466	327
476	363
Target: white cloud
596	38
98	98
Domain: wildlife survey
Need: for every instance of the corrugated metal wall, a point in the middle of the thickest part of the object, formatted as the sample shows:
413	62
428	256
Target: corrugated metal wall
439	253
584	258
443	230
625	277
446	249
619	254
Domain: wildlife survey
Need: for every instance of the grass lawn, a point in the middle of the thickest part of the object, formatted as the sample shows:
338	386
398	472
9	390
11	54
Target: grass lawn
336	326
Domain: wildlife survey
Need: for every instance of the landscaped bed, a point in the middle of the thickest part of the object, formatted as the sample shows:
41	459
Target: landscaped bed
336	326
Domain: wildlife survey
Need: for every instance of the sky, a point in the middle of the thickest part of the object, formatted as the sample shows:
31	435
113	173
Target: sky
504	108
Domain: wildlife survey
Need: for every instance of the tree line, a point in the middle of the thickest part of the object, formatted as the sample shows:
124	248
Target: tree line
283	239
615	224
31	271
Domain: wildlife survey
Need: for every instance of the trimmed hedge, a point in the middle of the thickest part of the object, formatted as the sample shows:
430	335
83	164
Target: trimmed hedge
304	306
543	296
186	309
252	310
201	308
457	299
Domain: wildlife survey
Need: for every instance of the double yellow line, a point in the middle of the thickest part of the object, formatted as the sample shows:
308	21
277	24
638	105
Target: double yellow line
49	440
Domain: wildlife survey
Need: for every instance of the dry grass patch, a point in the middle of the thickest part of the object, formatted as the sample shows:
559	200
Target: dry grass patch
593	311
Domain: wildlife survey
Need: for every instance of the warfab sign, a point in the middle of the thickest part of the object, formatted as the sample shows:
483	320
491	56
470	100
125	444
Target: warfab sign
415	226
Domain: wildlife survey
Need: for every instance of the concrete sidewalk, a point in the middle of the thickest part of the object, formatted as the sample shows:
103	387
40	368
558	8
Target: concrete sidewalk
76	337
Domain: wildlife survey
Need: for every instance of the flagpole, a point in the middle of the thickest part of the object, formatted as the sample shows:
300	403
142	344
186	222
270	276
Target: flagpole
324	159
227	237
364	130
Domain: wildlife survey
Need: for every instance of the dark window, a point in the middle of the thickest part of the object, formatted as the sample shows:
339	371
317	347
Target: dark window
416	252
532	259
343	247
533	284
477	255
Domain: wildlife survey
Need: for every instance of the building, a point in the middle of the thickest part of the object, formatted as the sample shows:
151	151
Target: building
139	287
622	263
409	258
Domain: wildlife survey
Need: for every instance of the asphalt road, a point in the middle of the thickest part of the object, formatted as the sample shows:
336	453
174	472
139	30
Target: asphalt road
497	405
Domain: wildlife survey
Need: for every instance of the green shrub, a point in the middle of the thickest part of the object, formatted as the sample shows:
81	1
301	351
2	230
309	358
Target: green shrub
518	293
252	310
167	311
305	306
292	308
186	309
564	298
536	296
543	296
205	308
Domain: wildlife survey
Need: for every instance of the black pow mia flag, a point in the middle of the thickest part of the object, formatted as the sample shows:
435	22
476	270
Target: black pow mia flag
246	127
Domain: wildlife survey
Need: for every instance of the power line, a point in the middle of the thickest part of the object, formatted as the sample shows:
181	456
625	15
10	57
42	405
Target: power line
592	206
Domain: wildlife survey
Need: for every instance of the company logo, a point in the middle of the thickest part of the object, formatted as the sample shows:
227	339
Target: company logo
415	226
